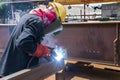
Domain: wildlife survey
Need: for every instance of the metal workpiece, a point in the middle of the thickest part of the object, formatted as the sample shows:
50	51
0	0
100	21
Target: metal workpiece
91	41
68	2
87	41
117	46
37	72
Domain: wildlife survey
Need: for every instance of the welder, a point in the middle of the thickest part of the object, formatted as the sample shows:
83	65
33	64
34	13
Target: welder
24	48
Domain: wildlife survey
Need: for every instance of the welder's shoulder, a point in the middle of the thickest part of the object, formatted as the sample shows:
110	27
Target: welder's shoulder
30	18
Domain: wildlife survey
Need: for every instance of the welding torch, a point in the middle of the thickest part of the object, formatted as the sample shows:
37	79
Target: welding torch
56	54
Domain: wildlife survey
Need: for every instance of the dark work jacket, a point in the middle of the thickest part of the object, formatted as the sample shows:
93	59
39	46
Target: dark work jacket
27	33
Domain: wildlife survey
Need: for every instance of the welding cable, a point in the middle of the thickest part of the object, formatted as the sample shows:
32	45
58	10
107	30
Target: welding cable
28	64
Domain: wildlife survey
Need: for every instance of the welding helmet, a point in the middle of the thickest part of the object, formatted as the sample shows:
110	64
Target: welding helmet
54	28
59	10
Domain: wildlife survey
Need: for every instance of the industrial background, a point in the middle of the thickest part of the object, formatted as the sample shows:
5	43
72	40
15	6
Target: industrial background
91	37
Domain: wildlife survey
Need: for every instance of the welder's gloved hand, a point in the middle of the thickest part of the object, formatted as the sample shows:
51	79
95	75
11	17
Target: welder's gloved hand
41	51
52	55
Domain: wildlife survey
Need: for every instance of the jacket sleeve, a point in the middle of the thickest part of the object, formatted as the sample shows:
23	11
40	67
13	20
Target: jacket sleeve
41	51
27	40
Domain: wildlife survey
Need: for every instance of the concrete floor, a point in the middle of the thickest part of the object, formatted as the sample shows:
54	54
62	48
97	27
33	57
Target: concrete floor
78	72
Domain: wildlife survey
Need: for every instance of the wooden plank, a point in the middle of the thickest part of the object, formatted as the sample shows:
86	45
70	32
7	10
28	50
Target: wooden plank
37	73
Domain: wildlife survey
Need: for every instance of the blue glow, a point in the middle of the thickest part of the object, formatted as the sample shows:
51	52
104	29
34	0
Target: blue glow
60	53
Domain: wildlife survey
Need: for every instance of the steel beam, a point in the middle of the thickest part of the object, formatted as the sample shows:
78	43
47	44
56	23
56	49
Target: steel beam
38	72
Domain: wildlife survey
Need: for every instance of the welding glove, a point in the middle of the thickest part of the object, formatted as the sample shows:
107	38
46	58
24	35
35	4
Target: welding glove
41	51
52	55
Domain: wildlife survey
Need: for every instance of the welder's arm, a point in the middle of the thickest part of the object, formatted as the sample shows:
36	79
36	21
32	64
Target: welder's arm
28	44
41	51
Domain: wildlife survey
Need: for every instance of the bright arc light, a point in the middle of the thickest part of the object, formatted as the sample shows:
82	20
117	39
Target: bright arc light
60	53
58	58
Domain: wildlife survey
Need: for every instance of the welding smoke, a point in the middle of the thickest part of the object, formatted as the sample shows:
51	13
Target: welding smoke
49	40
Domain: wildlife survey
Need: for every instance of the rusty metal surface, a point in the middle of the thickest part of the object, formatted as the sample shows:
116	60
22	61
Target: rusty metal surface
117	45
89	41
5	30
4	35
38	72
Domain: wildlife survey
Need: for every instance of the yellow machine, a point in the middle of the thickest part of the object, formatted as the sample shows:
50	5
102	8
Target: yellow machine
68	2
